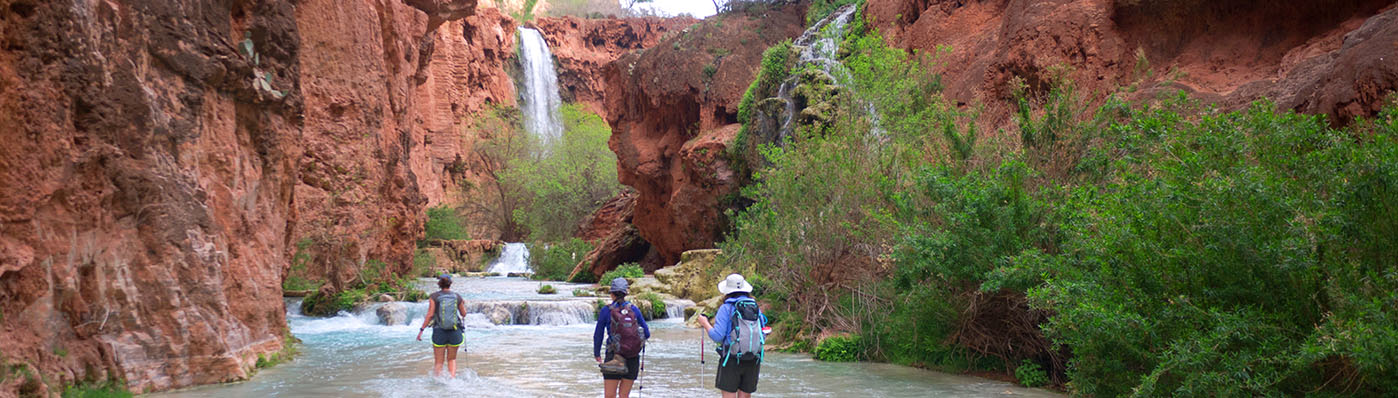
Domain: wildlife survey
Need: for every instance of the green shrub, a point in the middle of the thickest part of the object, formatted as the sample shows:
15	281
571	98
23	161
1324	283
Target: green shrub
1030	374
564	181
838	349
555	261
581	292
547	289
819	9
296	279
629	271
107	389
444	224
424	265
650	304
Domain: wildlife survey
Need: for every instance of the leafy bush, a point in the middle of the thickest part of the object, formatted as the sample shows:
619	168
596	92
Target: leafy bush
107	389
444	224
629	271
1030	374
819	9
563	183
650	304
296	276
581	292
838	349
424	265
555	261
547	289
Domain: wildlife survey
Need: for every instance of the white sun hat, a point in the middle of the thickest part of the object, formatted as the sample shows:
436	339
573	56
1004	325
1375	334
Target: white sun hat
734	283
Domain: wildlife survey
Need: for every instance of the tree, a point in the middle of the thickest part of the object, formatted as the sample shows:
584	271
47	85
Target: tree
499	140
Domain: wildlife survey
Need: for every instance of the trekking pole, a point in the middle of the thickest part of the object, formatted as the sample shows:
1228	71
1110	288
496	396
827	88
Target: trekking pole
640	387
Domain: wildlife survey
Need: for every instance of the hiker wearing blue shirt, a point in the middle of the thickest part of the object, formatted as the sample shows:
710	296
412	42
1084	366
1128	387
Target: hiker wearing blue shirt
626	338
740	330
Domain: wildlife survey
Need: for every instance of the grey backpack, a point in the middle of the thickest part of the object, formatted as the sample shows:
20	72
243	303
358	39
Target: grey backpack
747	337
447	317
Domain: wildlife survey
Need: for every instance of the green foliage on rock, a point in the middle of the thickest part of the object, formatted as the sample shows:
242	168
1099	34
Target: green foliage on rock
444	224
554	261
629	271
104	389
547	289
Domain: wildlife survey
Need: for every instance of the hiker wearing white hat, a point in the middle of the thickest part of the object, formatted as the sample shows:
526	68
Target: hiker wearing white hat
739	329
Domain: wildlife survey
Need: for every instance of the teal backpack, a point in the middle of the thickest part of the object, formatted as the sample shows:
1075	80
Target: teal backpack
746	338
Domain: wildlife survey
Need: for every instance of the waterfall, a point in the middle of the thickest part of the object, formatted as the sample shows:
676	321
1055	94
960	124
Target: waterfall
540	95
819	45
552	313
513	258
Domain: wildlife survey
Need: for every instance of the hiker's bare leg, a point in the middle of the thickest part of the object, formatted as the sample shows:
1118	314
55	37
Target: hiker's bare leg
727	394
744	395
438	353
609	387
625	390
451	361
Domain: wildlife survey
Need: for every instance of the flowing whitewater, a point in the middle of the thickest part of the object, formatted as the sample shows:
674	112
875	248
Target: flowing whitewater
541	101
820	46
514	258
353	356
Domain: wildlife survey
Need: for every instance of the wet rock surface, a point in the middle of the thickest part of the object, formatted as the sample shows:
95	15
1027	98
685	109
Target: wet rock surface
392	313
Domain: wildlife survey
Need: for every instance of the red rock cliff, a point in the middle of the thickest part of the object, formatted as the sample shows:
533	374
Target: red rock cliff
673	111
164	159
1315	56
149	168
583	47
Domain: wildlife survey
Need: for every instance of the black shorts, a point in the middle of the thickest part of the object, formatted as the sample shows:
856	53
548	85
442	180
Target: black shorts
633	369
446	337
737	376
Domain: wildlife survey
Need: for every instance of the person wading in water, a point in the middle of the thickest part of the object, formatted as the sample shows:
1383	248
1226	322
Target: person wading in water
740	330
444	315
625	339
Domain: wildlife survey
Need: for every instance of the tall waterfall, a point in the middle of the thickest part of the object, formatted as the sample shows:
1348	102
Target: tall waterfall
540	96
513	258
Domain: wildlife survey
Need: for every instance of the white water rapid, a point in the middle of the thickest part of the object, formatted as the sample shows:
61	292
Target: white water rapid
514	258
541	101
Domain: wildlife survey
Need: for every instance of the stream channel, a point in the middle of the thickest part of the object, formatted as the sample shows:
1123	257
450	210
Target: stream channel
352	355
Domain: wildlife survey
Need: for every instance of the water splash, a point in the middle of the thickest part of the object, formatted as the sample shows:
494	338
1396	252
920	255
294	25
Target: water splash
541	101
513	258
820	45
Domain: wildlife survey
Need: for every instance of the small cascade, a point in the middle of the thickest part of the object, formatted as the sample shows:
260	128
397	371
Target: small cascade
540	98
819	46
551	313
674	309
514	258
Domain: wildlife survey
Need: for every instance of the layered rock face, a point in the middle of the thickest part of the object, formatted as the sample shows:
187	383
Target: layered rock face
149	170
583	47
673	111
164	160
1314	56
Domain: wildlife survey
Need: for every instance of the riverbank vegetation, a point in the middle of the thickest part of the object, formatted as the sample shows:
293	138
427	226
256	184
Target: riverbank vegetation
1148	249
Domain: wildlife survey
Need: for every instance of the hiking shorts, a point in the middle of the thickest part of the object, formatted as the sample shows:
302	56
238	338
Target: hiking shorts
446	337
737	376
633	369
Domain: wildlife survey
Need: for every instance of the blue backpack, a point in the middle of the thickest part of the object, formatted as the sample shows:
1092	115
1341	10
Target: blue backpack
746	339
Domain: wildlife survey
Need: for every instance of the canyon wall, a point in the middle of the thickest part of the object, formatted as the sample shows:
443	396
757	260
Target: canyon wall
149	173
1314	56
673	111
165	160
583	47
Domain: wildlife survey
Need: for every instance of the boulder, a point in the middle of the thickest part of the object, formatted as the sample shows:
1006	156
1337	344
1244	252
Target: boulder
392	313
500	316
695	277
384	298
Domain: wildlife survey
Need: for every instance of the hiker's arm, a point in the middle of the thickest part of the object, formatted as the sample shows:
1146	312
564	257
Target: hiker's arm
431	309
644	326
461	308
723	321
602	321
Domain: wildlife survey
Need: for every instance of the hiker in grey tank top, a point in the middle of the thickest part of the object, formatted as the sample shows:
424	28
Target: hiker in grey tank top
444	315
